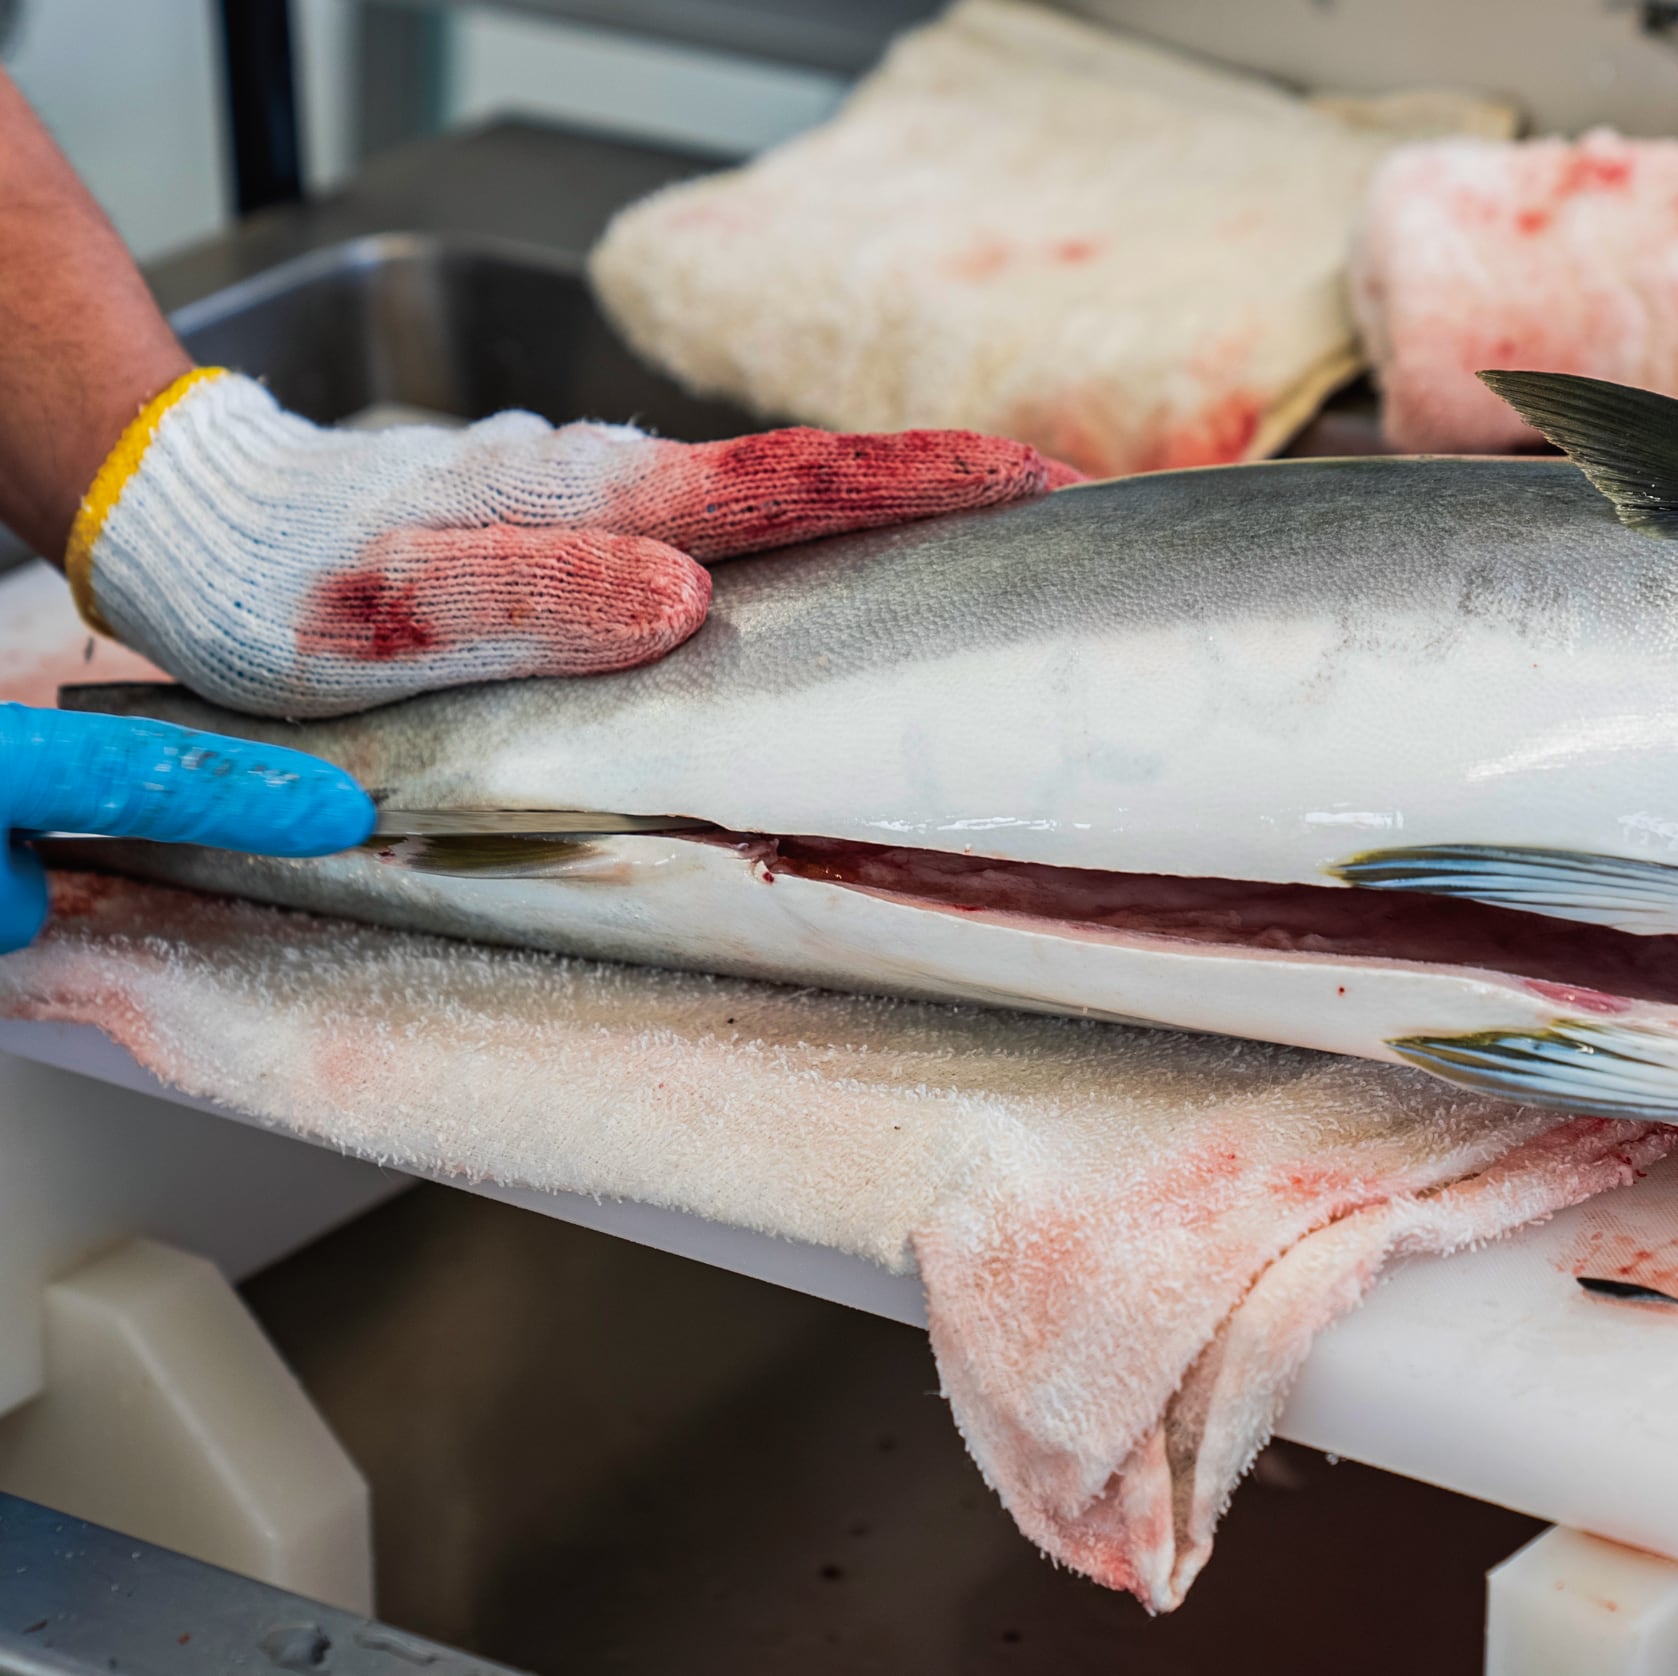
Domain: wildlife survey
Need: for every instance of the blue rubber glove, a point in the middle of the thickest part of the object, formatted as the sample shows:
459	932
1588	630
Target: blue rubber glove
124	777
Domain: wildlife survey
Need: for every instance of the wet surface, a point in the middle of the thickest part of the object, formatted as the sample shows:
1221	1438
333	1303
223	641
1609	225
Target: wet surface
1615	1263
588	1456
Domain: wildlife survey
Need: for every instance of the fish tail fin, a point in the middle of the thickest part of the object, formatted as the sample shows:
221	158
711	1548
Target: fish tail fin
1624	440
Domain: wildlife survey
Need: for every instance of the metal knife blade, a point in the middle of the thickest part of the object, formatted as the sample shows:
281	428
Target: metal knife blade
486	823
536	823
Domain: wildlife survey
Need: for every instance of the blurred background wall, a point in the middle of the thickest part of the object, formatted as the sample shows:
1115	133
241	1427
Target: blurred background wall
131	87
132	92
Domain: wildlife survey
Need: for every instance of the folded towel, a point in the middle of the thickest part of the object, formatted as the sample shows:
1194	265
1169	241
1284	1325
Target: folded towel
1546	255
1127	1238
1027	224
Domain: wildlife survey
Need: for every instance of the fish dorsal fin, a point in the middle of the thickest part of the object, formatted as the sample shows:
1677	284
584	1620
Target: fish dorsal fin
1624	440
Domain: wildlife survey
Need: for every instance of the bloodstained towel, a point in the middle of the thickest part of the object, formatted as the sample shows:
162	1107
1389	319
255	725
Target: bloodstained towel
1541	256
1128	1238
1027	224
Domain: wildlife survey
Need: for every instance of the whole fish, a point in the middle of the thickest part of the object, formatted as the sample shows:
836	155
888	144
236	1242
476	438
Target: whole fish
1377	756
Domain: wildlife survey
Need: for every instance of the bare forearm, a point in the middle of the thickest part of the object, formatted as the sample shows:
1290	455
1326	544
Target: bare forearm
82	345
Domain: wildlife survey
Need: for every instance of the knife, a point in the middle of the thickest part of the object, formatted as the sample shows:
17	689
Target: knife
529	823
483	843
511	843
573	825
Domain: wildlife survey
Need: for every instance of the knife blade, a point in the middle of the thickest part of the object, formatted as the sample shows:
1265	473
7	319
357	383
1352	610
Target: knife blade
576	824
535	823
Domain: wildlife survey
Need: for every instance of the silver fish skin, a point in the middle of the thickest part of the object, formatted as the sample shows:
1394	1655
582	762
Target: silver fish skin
1458	677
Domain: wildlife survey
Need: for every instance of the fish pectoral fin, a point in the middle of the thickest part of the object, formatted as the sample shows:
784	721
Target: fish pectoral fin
1595	1070
1624	440
1636	896
490	856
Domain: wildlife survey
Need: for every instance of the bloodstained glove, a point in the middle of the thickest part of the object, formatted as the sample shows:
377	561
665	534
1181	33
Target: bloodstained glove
120	777
280	568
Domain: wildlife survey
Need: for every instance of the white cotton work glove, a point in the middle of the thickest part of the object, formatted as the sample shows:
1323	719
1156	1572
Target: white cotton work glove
280	568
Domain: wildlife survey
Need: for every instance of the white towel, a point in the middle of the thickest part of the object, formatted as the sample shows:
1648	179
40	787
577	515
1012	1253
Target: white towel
1026	224
1127	1238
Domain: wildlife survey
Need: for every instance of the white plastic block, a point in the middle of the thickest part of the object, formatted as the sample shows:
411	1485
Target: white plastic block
85	1165
1569	1604
167	1415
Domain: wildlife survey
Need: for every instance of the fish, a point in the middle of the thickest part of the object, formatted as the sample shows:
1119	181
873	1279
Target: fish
1375	756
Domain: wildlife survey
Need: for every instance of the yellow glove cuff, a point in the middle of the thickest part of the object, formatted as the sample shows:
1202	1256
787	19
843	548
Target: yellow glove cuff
114	476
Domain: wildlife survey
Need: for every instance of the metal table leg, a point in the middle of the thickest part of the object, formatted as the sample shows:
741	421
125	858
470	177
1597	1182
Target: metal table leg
261	104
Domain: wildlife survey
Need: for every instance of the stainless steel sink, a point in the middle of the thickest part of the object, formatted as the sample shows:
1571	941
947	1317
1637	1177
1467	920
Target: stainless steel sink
458	327
453	326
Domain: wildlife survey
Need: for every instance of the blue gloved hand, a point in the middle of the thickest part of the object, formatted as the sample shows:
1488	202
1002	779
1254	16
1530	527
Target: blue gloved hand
124	777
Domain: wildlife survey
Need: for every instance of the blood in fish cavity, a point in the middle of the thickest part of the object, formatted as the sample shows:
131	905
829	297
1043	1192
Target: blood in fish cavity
1587	968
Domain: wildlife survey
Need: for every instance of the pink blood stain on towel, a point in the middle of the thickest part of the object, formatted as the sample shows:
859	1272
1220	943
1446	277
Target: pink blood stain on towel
1083	430
114	1003
1128	1239
986	256
1544	255
1213	417
983	258
1221	434
1158	1353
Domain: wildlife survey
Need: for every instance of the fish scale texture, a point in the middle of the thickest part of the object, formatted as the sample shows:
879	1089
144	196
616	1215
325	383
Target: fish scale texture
284	569
1543	256
1027	224
1127	1238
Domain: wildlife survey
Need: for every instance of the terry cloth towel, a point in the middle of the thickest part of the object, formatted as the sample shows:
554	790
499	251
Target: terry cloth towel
1026	224
1546	255
1127	1238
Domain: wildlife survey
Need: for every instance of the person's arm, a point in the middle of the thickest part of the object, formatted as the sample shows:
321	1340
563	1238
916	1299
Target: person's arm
82	345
